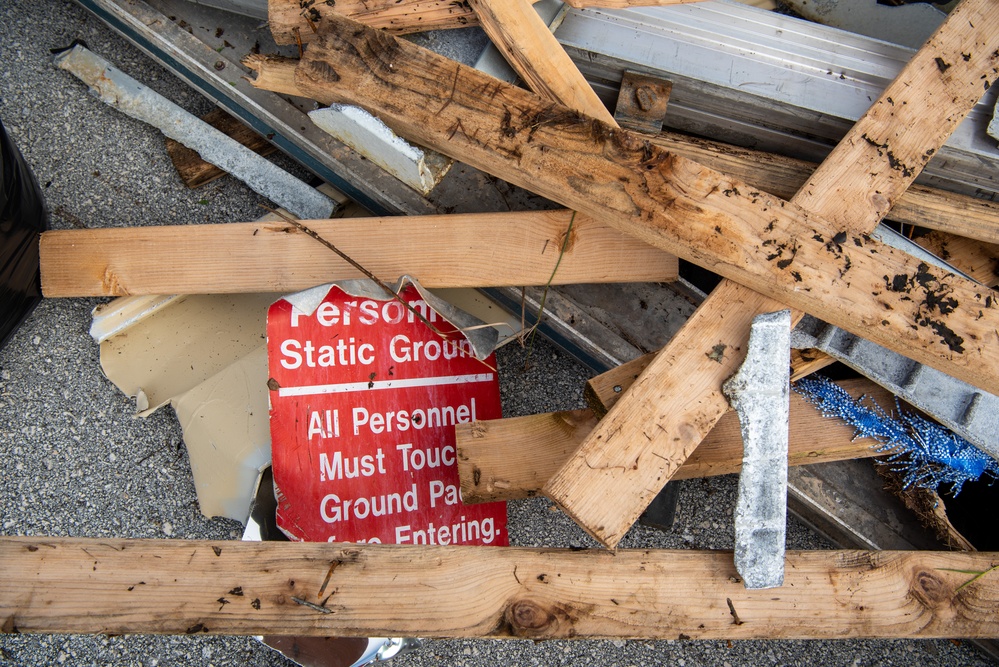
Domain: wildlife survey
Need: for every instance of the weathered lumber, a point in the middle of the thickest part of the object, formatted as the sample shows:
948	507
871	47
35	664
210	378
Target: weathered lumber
668	201
954	214
505	459
534	53
293	23
460	250
975	258
623	4
662	418
274	73
194	171
115	586
602	391
783	176
779	175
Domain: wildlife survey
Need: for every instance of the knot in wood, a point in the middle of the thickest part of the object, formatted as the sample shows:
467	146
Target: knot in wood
528	618
930	590
322	72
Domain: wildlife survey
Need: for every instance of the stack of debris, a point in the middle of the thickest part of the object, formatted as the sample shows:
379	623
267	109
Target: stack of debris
788	238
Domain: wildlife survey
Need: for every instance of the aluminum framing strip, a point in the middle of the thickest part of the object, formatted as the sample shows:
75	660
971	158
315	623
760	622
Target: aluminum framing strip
761	79
221	80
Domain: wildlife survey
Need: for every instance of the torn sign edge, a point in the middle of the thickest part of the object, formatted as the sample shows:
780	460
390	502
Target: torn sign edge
484	338
226	490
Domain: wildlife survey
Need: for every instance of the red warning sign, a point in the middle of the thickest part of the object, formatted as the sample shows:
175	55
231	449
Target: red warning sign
364	399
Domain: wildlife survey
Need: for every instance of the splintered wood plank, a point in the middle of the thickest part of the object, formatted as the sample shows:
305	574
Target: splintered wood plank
461	250
668	201
274	73
291	23
194	171
634	451
116	586
783	176
922	206
624	4
534	53
505	459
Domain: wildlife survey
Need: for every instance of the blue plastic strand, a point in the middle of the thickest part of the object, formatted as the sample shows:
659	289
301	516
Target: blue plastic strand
925	453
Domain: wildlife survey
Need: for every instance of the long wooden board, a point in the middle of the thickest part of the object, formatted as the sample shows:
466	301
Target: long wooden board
666	200
505	459
461	250
661	419
292	23
922	206
783	176
534	53
115	586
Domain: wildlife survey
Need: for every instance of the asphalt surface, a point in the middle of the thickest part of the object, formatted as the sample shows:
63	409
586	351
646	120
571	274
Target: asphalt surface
76	462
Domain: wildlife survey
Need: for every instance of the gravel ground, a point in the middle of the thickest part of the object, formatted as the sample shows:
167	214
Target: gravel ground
77	463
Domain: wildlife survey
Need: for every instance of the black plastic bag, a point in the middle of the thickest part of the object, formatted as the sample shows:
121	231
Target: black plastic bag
23	218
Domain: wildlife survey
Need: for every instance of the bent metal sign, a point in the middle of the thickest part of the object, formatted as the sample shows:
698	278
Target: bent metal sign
364	400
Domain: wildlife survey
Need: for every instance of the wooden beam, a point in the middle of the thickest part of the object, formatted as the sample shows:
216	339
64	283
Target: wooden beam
461	250
668	201
534	53
919	205
624	4
955	214
663	416
505	459
292	24
115	586
779	175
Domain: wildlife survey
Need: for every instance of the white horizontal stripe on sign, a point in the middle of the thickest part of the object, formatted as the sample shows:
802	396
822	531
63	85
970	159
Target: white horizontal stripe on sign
315	389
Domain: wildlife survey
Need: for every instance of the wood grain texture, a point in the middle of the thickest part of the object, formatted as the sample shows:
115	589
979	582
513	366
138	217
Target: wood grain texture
661	419
779	175
975	258
462	250
274	73
783	176
115	586
534	53
668	201
292	23
505	459
602	391
623	4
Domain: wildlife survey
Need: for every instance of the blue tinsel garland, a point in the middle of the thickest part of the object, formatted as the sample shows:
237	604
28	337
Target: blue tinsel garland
924	452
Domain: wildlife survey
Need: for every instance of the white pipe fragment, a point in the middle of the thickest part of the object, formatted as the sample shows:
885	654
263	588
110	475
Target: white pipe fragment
760	393
136	100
